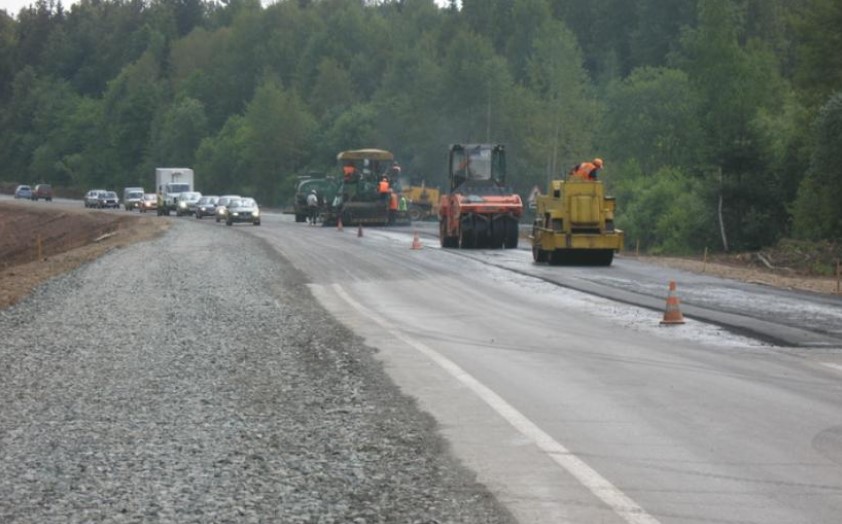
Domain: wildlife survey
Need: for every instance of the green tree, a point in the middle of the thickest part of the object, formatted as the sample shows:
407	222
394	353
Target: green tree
221	159
564	116
183	127
818	214
665	211
279	131
735	83
819	70
652	116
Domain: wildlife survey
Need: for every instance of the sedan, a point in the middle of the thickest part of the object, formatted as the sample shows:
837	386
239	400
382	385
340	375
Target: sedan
187	203
243	210
92	197
132	200
222	206
149	202
108	200
23	192
44	191
206	206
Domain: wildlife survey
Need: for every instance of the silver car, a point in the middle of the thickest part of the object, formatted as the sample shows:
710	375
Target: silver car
92	197
187	203
243	210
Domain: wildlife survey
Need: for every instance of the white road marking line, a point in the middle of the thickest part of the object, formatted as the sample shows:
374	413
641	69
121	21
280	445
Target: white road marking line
619	502
837	367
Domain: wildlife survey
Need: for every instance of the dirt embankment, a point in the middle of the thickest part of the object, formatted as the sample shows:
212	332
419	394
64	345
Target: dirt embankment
39	241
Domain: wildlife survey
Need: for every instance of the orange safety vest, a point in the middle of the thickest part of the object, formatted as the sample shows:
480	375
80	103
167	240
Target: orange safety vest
584	171
384	186
393	202
348	171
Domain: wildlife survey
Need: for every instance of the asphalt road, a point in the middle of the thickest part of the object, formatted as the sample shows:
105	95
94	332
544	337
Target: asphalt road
568	406
575	408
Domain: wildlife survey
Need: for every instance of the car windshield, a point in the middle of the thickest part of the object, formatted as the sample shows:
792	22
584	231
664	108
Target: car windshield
136	194
207	200
110	194
178	188
149	196
248	202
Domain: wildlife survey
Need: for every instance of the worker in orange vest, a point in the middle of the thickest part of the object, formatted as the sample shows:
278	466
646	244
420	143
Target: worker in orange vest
393	207
348	171
587	170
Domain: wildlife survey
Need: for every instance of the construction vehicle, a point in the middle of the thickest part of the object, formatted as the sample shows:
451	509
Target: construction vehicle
480	211
326	190
422	201
359	200
574	225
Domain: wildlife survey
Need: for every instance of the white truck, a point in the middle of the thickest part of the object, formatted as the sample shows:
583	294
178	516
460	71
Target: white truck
170	182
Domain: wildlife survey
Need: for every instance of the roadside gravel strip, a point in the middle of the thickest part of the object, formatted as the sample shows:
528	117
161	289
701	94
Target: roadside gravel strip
193	378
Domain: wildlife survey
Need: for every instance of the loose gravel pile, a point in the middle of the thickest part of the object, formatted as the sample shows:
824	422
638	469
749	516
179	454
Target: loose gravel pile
195	379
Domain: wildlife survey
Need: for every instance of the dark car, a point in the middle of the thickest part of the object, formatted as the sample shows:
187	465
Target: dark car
108	200
92	197
206	206
243	210
222	206
44	191
23	192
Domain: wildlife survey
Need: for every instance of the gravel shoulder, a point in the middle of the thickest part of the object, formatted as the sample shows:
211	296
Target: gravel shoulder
172	380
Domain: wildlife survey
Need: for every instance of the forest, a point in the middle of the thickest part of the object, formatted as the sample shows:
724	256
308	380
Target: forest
719	121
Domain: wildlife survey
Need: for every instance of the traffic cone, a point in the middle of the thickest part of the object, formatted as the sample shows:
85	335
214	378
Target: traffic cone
360	231
672	315
339	224
416	242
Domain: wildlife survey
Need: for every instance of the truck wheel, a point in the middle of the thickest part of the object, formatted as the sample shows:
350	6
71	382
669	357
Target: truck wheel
512	234
415	214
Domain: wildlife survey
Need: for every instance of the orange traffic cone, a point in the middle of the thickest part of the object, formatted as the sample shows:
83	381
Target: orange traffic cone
672	315
339	224
416	242
360	231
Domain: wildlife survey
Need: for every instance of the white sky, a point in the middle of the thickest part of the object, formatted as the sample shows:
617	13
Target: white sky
13	6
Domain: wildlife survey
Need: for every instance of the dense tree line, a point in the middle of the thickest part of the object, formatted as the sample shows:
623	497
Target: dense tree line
720	121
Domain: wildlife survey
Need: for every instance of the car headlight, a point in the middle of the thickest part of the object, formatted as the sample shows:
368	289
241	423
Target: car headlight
182	204
235	214
256	212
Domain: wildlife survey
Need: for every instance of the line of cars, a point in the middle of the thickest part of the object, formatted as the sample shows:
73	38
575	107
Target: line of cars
40	191
230	209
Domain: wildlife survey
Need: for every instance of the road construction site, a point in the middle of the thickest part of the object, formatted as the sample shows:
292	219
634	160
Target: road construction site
310	374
